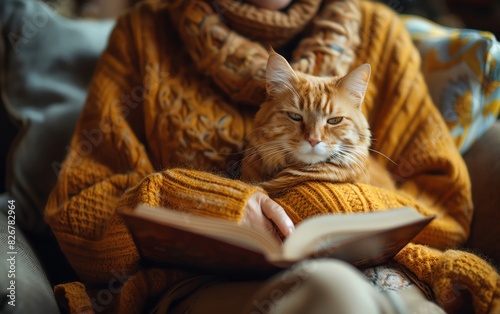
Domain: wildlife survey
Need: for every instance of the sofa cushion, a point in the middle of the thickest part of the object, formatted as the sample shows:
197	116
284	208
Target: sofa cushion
23	280
462	70
47	63
484	171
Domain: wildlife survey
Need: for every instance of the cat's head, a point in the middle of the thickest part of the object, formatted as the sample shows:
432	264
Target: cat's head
313	119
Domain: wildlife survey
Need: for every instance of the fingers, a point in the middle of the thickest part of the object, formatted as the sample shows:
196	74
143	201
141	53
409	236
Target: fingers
274	212
254	217
261	212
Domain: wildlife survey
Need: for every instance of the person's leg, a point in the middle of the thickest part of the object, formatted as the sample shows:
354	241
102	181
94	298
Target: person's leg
416	301
321	286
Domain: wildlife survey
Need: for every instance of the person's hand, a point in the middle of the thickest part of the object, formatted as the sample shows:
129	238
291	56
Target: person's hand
261	212
271	4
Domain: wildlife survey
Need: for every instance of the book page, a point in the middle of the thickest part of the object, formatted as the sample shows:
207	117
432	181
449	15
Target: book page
371	248
342	227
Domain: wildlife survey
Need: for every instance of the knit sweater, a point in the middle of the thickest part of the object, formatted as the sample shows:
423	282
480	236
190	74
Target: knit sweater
161	124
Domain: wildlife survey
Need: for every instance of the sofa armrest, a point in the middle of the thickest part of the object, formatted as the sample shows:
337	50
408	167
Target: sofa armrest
483	162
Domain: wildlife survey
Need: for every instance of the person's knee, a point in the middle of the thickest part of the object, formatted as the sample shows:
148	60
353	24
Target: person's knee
314	286
325	274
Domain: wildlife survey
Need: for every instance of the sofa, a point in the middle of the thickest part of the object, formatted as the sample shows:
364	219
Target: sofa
48	60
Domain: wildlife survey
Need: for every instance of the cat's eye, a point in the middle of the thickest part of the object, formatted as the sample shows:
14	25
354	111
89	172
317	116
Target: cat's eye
335	120
294	116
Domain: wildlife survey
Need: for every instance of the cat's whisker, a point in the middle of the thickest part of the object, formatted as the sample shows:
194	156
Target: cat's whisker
346	157
375	151
350	169
353	161
383	155
347	149
281	155
356	161
282	141
269	152
274	152
264	150
357	153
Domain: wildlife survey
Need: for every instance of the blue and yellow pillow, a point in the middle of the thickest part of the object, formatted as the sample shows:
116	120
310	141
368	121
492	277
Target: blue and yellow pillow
462	70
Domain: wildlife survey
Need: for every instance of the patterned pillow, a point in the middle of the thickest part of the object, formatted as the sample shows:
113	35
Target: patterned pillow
462	70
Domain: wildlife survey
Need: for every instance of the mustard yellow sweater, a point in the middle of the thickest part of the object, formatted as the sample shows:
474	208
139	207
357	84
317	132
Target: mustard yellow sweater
155	129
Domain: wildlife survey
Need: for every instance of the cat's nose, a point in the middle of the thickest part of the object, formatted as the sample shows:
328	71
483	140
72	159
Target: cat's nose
313	142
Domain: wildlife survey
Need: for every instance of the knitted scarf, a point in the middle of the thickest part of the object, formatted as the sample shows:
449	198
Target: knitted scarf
237	64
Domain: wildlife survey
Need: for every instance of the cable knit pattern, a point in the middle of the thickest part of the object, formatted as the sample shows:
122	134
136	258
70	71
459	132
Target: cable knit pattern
237	65
330	51
314	198
162	100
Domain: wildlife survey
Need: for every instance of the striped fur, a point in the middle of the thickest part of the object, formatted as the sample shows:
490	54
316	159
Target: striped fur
309	128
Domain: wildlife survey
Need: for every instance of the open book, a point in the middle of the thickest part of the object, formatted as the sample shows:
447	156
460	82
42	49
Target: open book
180	239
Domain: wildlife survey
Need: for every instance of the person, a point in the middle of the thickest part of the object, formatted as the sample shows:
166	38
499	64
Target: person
167	112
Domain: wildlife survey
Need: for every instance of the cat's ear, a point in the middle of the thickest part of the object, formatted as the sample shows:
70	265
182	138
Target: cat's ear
355	83
279	74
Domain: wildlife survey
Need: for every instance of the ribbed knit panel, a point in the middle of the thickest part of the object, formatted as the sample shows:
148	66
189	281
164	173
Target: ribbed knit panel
192	191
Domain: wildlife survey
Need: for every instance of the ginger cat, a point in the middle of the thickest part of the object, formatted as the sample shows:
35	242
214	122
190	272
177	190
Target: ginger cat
311	129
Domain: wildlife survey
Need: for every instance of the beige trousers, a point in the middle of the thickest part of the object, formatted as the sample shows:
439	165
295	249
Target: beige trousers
311	287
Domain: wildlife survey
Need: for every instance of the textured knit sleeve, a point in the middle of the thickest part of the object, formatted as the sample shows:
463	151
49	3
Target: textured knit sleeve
104	159
109	156
407	127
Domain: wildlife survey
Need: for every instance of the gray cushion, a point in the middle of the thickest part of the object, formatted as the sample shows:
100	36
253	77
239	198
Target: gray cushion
31	291
48	61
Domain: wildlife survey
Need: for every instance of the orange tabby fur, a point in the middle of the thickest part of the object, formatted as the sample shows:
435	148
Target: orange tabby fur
311	128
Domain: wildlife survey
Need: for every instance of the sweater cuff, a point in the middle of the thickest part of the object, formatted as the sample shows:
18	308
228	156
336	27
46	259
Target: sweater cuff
451	272
73	298
196	192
